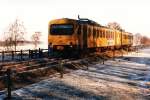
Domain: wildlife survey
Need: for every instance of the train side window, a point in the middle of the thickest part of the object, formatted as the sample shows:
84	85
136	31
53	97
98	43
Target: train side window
97	32
94	32
100	34
109	34
89	32
104	33
112	35
91	29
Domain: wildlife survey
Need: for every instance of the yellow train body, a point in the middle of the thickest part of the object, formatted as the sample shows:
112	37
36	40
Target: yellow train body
81	35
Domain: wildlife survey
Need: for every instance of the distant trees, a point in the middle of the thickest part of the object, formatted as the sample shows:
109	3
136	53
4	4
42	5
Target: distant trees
115	25
145	40
36	39
14	35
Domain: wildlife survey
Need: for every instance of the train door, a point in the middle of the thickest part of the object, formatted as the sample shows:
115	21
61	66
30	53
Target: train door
79	36
84	36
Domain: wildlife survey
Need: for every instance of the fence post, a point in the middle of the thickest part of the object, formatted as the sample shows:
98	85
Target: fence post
61	69
113	54
3	56
29	53
9	83
21	54
39	53
103	58
121	51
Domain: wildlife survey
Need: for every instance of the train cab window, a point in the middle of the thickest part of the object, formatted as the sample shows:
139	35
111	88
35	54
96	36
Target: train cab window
61	29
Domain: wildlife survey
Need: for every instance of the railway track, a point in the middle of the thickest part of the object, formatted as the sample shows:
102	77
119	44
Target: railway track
32	71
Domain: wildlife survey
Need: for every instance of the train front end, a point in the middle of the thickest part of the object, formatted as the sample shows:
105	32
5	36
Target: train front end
62	34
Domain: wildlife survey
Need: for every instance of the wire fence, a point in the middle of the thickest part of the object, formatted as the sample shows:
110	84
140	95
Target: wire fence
23	55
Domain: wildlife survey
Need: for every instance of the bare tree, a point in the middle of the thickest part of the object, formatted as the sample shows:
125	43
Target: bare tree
145	40
15	34
137	39
36	39
115	25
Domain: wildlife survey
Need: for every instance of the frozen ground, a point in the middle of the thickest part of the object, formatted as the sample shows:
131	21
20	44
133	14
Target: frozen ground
123	79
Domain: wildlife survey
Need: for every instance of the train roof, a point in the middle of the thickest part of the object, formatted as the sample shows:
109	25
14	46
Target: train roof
61	20
87	21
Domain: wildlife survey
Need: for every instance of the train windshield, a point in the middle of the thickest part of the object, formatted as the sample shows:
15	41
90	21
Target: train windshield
61	29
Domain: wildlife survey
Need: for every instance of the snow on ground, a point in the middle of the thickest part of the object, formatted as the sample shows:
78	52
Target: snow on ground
125	78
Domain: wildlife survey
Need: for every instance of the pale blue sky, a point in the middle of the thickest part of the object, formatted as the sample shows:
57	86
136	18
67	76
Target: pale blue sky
133	15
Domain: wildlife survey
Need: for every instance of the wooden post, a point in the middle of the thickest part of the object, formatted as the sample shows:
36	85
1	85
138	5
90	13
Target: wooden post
9	83
61	69
12	55
121	52
41	52
29	53
36	53
21	54
113	53
3	56
103	58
